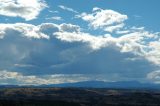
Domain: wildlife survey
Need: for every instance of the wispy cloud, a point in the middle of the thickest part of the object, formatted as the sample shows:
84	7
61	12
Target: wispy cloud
55	18
137	16
53	11
67	8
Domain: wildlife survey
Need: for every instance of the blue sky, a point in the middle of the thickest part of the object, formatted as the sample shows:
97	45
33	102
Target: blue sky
59	41
139	12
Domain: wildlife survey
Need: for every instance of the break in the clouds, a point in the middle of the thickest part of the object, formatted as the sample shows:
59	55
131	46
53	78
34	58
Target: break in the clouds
51	53
27	9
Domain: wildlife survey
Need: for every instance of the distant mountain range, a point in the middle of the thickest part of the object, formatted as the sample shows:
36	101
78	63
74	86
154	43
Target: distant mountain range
102	84
98	84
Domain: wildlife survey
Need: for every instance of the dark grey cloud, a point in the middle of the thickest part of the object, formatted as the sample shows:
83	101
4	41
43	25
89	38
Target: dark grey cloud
71	52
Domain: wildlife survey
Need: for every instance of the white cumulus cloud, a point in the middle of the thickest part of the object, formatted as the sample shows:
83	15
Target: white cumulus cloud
108	20
27	9
28	30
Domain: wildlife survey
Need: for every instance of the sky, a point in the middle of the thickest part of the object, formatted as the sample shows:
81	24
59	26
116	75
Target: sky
66	41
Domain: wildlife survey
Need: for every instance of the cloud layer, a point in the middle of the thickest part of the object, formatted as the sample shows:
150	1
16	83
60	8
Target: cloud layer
56	53
20	79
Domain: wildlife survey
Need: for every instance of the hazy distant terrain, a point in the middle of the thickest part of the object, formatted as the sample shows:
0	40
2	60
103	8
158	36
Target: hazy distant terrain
77	97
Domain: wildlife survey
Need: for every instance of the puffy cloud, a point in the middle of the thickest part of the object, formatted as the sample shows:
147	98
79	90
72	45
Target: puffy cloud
108	20
18	41
153	52
136	42
135	54
69	28
67	8
27	30
22	50
92	41
106	53
48	28
27	9
51	53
